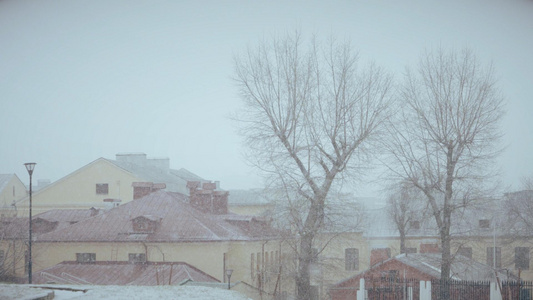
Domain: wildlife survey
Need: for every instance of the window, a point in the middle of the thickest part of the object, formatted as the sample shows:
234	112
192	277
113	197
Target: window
144	225
414	224
1	259
258	262
102	189
429	248
351	259
466	252
252	265
85	257
521	258
490	257
137	258
410	250
26	262
484	223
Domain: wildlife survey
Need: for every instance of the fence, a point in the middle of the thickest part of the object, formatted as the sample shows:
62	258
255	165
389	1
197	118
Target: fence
414	289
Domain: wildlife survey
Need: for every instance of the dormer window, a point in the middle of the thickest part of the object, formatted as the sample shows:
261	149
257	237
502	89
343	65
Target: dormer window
137	258
85	257
145	224
42	226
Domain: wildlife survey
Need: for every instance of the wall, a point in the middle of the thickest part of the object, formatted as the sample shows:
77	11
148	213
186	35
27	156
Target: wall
78	189
14	190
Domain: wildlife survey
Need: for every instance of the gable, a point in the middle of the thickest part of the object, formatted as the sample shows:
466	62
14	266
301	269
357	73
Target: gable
84	188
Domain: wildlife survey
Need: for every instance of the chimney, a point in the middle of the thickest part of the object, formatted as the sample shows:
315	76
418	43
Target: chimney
205	197
379	255
141	189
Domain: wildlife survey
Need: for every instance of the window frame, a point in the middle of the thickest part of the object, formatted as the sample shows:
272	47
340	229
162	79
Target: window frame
137	258
465	250
490	258
520	262
351	259
86	257
102	189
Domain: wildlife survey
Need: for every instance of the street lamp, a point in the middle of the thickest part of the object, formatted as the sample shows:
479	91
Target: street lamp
228	273
29	167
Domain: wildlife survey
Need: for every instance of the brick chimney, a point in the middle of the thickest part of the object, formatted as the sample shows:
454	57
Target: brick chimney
379	255
141	189
206	197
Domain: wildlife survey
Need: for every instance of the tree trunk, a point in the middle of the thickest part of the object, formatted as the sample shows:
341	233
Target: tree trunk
402	241
303	279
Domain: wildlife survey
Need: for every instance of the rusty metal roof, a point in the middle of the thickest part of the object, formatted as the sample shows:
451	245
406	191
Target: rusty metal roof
121	273
180	222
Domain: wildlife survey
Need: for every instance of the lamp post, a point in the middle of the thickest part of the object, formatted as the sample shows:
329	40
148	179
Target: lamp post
29	167
228	273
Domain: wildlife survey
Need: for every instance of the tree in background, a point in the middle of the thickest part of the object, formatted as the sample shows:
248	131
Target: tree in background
446	135
13	247
518	211
311	115
404	208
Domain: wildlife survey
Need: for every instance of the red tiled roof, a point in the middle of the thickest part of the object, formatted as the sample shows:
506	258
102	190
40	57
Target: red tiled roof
67	215
14	228
180	222
121	273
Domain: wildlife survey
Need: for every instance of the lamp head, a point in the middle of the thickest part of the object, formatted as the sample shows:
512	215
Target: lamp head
229	272
30	167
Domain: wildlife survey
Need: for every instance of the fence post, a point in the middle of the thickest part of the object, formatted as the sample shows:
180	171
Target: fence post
425	290
495	293
361	293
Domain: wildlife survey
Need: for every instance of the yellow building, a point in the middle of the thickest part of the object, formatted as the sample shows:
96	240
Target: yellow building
164	227
11	190
105	183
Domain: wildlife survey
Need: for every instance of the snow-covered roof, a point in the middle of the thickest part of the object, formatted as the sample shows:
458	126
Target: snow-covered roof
175	180
179	222
14	291
122	273
462	268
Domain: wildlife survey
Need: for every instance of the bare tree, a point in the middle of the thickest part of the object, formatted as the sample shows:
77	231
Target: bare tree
13	247
404	209
518	211
447	135
310	114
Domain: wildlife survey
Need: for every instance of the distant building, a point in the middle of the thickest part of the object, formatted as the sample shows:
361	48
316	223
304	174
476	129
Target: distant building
157	229
418	267
11	191
106	183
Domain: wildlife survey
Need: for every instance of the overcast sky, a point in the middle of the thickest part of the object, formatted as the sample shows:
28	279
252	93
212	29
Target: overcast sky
81	80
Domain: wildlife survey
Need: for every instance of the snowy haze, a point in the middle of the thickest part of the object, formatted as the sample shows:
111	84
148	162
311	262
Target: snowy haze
81	80
121	292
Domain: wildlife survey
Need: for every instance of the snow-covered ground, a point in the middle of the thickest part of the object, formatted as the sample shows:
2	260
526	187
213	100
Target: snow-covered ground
9	291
